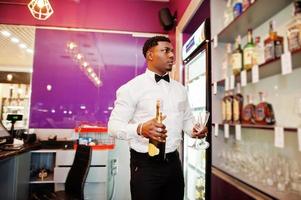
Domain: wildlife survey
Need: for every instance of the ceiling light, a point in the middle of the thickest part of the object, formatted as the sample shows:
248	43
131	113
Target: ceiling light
5	33
79	56
85	64
29	50
71	45
40	9
22	46
90	70
9	77
48	87
15	40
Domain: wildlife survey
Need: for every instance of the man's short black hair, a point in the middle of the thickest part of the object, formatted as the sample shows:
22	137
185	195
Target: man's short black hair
153	41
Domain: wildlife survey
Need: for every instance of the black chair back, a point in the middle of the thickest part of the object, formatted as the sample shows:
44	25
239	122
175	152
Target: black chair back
77	175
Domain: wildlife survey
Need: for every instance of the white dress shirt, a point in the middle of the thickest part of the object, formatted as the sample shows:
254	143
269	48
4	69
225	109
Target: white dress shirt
136	103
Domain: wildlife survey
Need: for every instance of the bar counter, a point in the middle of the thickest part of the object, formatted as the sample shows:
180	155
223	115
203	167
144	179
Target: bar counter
14	172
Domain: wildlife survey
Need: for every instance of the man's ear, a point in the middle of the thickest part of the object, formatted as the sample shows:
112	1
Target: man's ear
149	55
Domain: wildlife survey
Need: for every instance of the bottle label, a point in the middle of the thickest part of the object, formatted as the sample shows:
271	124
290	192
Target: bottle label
235	110
294	40
236	61
248	56
153	150
228	110
269	51
278	49
260	114
223	111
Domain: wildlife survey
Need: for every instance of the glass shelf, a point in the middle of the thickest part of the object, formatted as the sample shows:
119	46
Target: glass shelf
256	126
268	69
259	12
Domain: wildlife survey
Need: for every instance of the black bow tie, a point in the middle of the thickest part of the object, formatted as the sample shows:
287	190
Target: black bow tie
158	78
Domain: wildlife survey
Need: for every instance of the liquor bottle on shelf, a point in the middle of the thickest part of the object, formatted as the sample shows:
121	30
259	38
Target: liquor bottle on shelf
228	14
237	57
294	28
273	45
156	148
259	52
238	100
229	108
237	8
248	112
264	113
226	61
249	52
224	117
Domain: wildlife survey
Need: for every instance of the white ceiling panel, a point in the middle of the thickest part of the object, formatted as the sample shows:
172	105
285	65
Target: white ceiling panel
11	54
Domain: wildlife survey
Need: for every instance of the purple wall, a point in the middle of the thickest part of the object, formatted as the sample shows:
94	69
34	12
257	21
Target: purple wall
116	57
125	15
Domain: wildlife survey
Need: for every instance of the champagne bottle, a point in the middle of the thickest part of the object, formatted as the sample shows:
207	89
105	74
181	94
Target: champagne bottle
156	148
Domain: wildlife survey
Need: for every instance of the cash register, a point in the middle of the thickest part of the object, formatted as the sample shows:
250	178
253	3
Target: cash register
7	137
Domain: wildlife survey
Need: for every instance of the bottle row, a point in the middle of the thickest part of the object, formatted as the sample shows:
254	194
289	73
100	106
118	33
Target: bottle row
234	8
235	111
255	53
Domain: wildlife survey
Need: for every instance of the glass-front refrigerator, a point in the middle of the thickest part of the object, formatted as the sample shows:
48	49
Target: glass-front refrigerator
197	79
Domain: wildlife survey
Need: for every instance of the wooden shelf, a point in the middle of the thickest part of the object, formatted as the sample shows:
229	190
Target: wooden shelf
268	69
48	179
259	12
256	126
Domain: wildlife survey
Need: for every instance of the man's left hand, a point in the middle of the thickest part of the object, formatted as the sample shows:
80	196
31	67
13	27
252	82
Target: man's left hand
199	134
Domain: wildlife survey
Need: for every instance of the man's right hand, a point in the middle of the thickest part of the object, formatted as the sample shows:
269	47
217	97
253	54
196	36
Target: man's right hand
154	130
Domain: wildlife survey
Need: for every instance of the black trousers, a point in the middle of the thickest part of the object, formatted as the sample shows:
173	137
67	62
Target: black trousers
156	180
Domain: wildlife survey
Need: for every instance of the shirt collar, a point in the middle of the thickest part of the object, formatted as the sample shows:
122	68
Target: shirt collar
151	74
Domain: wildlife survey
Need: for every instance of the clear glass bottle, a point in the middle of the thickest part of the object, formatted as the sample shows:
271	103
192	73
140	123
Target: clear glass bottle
237	57
249	50
226	61
228	14
273	45
294	28
259	52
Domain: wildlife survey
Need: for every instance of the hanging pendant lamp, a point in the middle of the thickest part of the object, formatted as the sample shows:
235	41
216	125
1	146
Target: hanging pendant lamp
40	9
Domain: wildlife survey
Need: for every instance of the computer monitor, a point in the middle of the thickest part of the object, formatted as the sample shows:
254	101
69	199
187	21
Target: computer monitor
4	134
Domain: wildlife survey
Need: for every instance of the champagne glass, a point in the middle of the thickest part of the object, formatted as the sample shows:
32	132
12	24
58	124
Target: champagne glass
199	124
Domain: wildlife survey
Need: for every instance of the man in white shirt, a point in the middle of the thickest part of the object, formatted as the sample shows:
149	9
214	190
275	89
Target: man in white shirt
133	119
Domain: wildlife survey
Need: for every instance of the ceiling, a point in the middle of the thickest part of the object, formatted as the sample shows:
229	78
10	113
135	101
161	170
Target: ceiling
12	57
